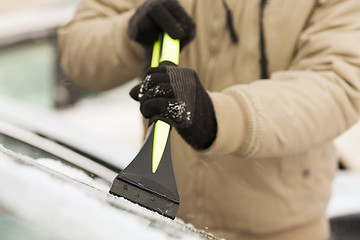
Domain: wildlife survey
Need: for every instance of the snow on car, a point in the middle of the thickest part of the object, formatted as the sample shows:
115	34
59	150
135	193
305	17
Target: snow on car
45	204
55	179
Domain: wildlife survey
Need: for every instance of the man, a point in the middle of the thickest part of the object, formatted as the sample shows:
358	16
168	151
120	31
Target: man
254	159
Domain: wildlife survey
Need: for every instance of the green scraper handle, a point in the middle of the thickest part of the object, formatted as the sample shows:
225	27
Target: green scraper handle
165	49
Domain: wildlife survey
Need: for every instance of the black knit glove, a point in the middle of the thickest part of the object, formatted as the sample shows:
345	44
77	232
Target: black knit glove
176	96
155	17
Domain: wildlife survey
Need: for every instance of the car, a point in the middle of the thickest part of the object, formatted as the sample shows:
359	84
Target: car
49	165
55	175
55	181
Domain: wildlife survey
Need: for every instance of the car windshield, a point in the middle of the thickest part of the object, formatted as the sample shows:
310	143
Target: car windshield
25	148
44	204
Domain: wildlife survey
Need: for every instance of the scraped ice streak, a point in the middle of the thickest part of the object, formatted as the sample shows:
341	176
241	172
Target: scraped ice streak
73	173
59	210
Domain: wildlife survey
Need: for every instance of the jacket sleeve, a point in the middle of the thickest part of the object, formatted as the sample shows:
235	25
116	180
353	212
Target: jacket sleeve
307	105
95	51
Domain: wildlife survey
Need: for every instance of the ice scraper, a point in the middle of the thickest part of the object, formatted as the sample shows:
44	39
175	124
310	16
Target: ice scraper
149	179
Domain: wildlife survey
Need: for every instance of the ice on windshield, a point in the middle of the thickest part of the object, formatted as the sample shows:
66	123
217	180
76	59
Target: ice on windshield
35	203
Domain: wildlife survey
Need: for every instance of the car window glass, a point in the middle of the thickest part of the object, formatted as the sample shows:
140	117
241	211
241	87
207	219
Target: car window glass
25	148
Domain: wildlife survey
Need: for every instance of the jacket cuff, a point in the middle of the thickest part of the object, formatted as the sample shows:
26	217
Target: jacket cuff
231	124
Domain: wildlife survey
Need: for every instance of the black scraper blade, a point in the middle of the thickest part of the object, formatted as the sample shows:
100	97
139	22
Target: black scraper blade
139	183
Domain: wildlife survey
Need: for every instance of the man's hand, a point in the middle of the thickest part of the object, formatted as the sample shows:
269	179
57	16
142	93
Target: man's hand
176	95
155	17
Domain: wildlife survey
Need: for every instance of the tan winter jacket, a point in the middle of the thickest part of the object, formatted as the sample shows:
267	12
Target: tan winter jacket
268	174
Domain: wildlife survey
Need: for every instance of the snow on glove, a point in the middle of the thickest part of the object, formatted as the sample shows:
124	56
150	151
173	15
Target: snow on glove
155	17
176	96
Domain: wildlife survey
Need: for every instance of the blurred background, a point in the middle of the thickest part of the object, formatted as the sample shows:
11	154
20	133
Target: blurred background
30	72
